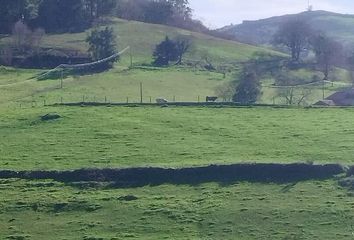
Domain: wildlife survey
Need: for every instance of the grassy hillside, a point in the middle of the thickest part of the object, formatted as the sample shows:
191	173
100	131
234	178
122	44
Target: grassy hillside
120	83
143	37
117	137
338	26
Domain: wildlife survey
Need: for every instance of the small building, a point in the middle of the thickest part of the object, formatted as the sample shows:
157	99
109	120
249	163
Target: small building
325	103
343	98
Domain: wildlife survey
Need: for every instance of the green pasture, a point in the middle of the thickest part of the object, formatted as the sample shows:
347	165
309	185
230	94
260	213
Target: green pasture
47	210
122	137
88	137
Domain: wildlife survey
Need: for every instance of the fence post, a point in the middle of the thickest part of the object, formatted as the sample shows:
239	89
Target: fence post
127	99
61	78
198	99
83	98
141	92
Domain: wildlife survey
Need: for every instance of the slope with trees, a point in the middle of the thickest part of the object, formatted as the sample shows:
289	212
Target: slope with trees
261	32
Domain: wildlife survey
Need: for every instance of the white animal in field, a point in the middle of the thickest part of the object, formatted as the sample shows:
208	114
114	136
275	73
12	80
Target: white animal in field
161	100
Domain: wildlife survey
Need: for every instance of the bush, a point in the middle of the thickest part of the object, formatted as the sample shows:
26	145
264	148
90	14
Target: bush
248	89
102	44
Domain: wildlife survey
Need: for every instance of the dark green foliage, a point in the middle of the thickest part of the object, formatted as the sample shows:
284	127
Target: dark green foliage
53	15
102	44
171	50
171	12
165	52
248	89
63	16
77	15
13	10
97	8
158	12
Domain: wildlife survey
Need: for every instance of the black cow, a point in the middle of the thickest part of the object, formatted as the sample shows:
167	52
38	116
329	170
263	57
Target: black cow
211	99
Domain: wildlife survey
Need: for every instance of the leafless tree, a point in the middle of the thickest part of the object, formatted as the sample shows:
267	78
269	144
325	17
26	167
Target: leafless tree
24	39
226	90
328	53
289	88
6	55
183	45
294	95
36	38
206	57
21	35
294	35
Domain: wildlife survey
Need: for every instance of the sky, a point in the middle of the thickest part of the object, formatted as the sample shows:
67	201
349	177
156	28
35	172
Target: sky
218	13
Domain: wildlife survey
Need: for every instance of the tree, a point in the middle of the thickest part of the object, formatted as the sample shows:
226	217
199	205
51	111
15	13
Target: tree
249	88
6	54
97	8
182	46
181	8
165	52
131	10
226	90
181	13
21	35
327	53
102	44
11	11
350	66
294	35
24	39
63	16
159	12
291	88
36	38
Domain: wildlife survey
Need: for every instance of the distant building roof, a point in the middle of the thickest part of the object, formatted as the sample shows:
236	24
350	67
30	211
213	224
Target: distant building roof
325	103
343	98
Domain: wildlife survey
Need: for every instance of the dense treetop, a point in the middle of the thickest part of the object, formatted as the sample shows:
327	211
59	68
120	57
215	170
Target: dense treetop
77	15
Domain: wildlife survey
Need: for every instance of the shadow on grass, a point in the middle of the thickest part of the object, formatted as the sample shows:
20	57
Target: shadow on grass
224	175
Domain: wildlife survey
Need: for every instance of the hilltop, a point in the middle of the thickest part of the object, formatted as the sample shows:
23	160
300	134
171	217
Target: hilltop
338	26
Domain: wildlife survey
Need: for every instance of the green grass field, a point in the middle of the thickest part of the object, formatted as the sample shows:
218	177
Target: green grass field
46	210
173	137
123	137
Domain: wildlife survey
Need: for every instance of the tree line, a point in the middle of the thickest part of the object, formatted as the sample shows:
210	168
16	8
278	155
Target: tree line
58	16
308	49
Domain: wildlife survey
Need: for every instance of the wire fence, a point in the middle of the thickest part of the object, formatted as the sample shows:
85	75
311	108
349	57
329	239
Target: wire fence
45	101
80	66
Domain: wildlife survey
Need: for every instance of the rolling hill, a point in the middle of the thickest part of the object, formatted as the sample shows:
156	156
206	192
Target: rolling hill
97	140
260	32
121	82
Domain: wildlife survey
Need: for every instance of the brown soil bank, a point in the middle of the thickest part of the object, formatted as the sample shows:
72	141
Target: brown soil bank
134	177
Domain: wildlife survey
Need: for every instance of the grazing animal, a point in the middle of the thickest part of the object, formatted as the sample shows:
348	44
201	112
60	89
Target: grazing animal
211	99
161	101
